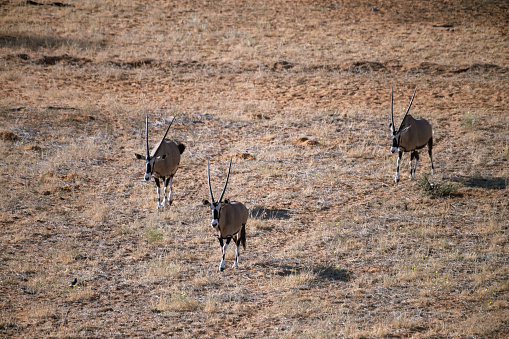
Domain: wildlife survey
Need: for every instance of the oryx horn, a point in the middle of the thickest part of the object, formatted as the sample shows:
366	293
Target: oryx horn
146	135
408	109
164	136
208	174
392	113
226	183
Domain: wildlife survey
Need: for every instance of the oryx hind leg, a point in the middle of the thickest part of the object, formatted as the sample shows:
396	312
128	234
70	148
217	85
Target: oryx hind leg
412	154
168	196
236	239
430	152
241	239
416	162
413	167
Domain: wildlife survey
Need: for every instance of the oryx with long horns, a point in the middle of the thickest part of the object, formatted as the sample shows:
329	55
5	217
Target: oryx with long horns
162	164
412	134
229	220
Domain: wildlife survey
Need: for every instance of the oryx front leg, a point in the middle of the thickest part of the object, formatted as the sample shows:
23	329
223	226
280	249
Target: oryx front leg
168	197
224	247
158	193
397	167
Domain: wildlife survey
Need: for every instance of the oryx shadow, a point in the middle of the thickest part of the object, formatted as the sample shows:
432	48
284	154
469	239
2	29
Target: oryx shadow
496	183
322	272
35	42
262	213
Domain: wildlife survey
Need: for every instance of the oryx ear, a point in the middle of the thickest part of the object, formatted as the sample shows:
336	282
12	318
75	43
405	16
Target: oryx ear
391	127
405	129
205	202
138	156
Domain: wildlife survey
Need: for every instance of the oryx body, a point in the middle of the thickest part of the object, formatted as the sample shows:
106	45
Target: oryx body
162	164
412	134
229	220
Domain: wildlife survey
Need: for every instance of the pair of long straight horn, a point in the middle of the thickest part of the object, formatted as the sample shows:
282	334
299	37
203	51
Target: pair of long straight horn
210	186
160	143
408	109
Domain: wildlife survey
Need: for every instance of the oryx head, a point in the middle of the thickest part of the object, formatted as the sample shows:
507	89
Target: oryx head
216	205
150	160
396	134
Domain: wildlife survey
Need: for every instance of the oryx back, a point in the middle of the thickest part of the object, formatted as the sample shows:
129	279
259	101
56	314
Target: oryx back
233	215
167	167
417	136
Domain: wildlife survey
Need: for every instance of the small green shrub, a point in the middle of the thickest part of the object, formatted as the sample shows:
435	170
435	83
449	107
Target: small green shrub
469	120
154	234
437	190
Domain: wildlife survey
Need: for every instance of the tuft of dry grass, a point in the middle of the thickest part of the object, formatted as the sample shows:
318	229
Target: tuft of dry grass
177	302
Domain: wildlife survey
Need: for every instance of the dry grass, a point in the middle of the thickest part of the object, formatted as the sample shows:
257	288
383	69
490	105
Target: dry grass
298	93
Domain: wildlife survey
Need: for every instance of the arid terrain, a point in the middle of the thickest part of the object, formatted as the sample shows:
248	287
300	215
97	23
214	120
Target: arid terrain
298	93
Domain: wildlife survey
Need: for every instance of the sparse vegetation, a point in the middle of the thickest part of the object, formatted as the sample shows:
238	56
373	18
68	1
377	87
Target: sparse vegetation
435	190
470	120
298	93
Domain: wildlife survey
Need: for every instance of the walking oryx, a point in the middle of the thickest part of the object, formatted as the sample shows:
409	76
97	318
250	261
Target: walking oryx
162	163
228	220
412	134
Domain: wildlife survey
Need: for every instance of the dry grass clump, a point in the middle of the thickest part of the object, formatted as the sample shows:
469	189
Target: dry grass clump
164	267
437	190
177	302
296	280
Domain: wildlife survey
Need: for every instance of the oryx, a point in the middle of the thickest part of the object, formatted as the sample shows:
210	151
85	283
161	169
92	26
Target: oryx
412	134
229	220
162	163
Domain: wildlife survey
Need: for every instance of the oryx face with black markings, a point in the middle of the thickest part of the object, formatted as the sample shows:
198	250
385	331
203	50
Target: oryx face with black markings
215	206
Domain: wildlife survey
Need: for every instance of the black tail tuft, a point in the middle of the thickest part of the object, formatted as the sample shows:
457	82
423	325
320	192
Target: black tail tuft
243	235
181	148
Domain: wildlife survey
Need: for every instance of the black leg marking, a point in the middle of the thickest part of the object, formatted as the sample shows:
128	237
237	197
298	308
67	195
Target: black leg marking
242	237
430	148
158	192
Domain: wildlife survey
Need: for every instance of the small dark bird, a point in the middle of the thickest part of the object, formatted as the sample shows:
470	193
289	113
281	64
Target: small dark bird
73	282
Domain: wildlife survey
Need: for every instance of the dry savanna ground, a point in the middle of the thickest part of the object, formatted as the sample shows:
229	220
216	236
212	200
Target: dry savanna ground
298	93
